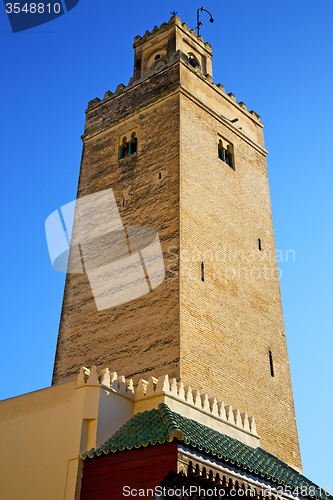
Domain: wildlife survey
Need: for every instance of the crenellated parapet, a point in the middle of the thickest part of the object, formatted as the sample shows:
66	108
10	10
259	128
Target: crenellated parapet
107	379
185	400
232	98
173	21
170	43
121	88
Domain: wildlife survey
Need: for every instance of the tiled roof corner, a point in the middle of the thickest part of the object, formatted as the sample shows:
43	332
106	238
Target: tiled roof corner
167	415
158	426
147	428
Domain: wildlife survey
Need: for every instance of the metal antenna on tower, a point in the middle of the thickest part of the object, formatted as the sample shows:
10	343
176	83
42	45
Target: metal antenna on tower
198	19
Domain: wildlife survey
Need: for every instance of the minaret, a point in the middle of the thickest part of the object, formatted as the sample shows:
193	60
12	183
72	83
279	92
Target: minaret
187	160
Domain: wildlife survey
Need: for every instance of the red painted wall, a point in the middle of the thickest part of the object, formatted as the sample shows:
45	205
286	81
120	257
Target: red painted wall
104	477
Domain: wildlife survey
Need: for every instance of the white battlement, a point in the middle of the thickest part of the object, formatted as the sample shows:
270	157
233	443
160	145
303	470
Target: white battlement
148	394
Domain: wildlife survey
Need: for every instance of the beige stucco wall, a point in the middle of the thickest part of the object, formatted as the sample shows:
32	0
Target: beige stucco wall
43	432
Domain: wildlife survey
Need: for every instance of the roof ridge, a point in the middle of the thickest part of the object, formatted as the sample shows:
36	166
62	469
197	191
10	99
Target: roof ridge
170	422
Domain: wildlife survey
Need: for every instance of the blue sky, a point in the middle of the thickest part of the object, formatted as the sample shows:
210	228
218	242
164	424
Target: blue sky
276	56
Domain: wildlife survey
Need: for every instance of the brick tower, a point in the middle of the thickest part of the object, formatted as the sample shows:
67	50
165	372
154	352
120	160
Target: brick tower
186	159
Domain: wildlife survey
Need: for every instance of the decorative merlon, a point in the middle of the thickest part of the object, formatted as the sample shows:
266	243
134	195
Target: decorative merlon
172	58
190	403
177	56
174	20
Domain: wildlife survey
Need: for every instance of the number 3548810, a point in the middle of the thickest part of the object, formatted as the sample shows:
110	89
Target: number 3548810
33	8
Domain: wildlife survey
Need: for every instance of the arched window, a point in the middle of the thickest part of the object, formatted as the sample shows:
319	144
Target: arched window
228	156
128	148
158	55
193	60
132	145
221	151
225	153
123	148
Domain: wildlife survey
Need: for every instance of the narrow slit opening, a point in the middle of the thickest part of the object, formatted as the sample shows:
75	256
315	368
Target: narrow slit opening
202	272
271	363
259	244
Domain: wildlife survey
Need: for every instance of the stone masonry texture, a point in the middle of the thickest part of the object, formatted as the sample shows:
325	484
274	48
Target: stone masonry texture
142	336
216	334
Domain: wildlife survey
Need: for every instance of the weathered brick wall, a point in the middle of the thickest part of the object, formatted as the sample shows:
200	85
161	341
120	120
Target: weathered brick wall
230	321
131	100
141	336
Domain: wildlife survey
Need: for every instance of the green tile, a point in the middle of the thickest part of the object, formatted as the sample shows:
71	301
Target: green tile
162	425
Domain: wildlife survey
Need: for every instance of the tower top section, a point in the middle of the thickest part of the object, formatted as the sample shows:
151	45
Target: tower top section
156	47
155	52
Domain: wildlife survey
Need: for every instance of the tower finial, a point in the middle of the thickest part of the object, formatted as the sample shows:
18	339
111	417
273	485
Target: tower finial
198	18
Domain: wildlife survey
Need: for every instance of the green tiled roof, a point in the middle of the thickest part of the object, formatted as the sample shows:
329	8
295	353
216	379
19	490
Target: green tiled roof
163	425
